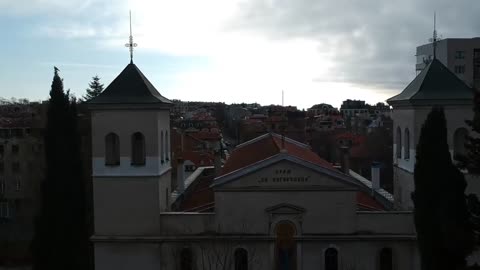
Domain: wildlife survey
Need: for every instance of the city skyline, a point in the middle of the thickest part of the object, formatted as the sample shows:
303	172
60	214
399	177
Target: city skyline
236	51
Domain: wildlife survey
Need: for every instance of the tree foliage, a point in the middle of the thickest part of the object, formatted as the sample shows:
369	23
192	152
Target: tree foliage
61	238
444	231
95	88
471	160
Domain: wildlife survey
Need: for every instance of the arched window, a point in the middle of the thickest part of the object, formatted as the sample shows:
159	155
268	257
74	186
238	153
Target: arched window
398	140
241	259
167	146
386	259
459	140
331	259
186	259
285	248
162	147
112	149
138	149
407	144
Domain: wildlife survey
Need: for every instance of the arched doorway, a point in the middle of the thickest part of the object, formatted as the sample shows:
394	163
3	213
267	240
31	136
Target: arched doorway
285	246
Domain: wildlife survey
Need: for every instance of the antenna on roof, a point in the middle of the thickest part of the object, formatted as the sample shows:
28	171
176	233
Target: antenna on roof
130	43
435	36
282	98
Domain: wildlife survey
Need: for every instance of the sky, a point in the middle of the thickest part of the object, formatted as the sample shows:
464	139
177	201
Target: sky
233	51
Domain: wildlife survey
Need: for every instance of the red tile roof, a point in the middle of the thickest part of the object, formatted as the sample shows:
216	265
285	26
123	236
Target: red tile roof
198	158
367	202
266	146
200	196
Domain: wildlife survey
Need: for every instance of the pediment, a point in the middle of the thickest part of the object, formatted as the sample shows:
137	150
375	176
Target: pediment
285	208
286	173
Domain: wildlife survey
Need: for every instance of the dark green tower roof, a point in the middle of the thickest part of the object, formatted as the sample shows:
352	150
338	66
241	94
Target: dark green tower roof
435	83
130	87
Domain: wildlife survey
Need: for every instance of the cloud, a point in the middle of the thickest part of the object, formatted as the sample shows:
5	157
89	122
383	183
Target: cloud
315	50
370	42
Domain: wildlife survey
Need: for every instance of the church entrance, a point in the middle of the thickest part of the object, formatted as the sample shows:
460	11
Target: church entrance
285	247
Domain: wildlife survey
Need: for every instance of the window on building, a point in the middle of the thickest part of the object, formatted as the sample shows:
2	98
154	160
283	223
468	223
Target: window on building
3	185
386	259
112	150
460	55
15	149
241	259
162	148
407	144
331	259
18	183
2	167
17	132
398	148
186	259
459	69
16	167
459	140
476	64
4	133
4	209
138	149
2	150
167	146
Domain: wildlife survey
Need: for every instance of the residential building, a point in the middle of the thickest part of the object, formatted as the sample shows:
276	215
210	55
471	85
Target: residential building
21	172
459	55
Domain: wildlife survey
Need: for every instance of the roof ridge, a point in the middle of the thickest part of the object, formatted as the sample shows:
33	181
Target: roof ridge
425	70
261	137
279	147
290	140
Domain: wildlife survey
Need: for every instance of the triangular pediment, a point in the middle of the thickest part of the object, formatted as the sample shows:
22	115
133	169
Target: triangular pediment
286	172
285	208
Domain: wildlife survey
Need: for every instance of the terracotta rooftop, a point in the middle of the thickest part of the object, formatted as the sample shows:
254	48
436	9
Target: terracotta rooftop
266	146
200	197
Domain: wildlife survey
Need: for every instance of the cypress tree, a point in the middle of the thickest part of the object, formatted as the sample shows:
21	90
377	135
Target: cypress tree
61	239
444	232
95	88
472	159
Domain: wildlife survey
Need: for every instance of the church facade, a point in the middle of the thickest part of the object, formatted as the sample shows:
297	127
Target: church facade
274	205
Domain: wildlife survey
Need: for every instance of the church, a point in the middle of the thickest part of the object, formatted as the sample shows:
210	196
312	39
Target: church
274	204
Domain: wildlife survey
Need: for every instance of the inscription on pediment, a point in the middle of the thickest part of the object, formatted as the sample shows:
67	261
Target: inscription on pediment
284	175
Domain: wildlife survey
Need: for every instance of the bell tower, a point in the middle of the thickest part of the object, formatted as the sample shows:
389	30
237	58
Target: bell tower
131	169
436	85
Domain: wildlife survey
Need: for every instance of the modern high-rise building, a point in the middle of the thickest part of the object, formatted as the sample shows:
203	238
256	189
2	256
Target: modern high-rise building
460	55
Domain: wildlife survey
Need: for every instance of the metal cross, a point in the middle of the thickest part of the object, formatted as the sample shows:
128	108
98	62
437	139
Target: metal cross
130	44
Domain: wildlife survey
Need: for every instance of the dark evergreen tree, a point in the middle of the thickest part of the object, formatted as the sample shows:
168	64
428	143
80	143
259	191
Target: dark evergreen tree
444	232
95	88
61	238
472	159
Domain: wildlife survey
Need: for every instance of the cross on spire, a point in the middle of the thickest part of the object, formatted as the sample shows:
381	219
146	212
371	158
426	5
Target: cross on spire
130	43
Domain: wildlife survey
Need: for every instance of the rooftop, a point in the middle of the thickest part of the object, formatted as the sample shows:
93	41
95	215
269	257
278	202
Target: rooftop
130	87
267	146
435	82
